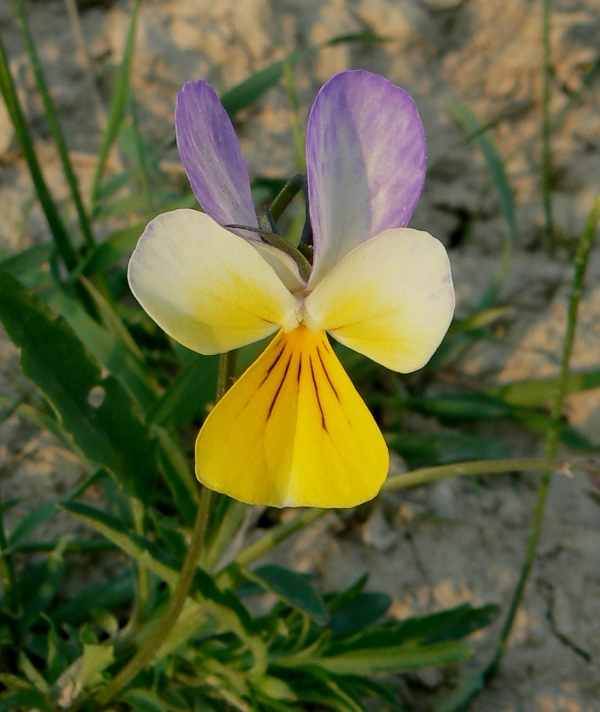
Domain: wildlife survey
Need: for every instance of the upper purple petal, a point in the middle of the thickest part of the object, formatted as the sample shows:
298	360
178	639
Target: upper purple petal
211	155
366	159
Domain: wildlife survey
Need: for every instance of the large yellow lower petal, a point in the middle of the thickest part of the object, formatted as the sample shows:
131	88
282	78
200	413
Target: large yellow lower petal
293	431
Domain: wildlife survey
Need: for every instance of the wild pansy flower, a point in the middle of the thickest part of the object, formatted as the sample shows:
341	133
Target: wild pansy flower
293	431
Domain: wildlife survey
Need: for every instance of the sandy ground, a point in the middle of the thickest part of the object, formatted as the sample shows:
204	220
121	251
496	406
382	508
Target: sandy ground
457	540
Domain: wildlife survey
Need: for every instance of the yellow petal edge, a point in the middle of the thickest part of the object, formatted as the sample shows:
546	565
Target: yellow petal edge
293	431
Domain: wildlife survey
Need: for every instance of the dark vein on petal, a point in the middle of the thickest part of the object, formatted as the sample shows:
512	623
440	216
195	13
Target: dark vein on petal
312	371
327	375
272	366
279	387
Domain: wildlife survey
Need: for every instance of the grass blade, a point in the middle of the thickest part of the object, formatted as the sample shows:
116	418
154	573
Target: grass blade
496	168
118	105
57	228
53	122
251	89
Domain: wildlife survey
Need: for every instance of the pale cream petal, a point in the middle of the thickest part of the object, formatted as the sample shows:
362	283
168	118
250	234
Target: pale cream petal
206	287
391	299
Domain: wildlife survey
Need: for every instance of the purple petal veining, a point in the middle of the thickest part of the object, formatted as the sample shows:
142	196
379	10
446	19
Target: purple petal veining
366	159
211	155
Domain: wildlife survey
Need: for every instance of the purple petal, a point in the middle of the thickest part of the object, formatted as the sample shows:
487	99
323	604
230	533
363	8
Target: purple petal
366	159
211	155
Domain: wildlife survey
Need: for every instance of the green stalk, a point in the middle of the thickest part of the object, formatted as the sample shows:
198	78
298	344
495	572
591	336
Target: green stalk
180	592
60	235
53	122
547	127
285	196
581	261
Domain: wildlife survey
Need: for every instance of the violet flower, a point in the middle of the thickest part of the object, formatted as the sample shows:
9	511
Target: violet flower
293	431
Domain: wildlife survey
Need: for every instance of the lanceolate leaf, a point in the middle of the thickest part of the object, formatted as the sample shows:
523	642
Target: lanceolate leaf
94	409
291	587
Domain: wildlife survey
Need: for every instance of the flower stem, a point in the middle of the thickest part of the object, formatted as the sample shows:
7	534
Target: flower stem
581	261
226	373
178	596
181	590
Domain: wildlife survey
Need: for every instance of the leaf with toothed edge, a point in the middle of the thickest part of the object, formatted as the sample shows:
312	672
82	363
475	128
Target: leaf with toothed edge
94	408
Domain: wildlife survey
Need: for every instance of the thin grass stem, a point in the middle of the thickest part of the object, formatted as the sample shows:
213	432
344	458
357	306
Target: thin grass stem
547	127
581	261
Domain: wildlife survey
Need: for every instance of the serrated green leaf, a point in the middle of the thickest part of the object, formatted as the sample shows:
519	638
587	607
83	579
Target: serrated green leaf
393	659
438	627
95	409
293	588
224	605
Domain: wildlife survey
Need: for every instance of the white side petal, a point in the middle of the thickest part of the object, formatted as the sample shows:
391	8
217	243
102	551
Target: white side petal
391	299
206	287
